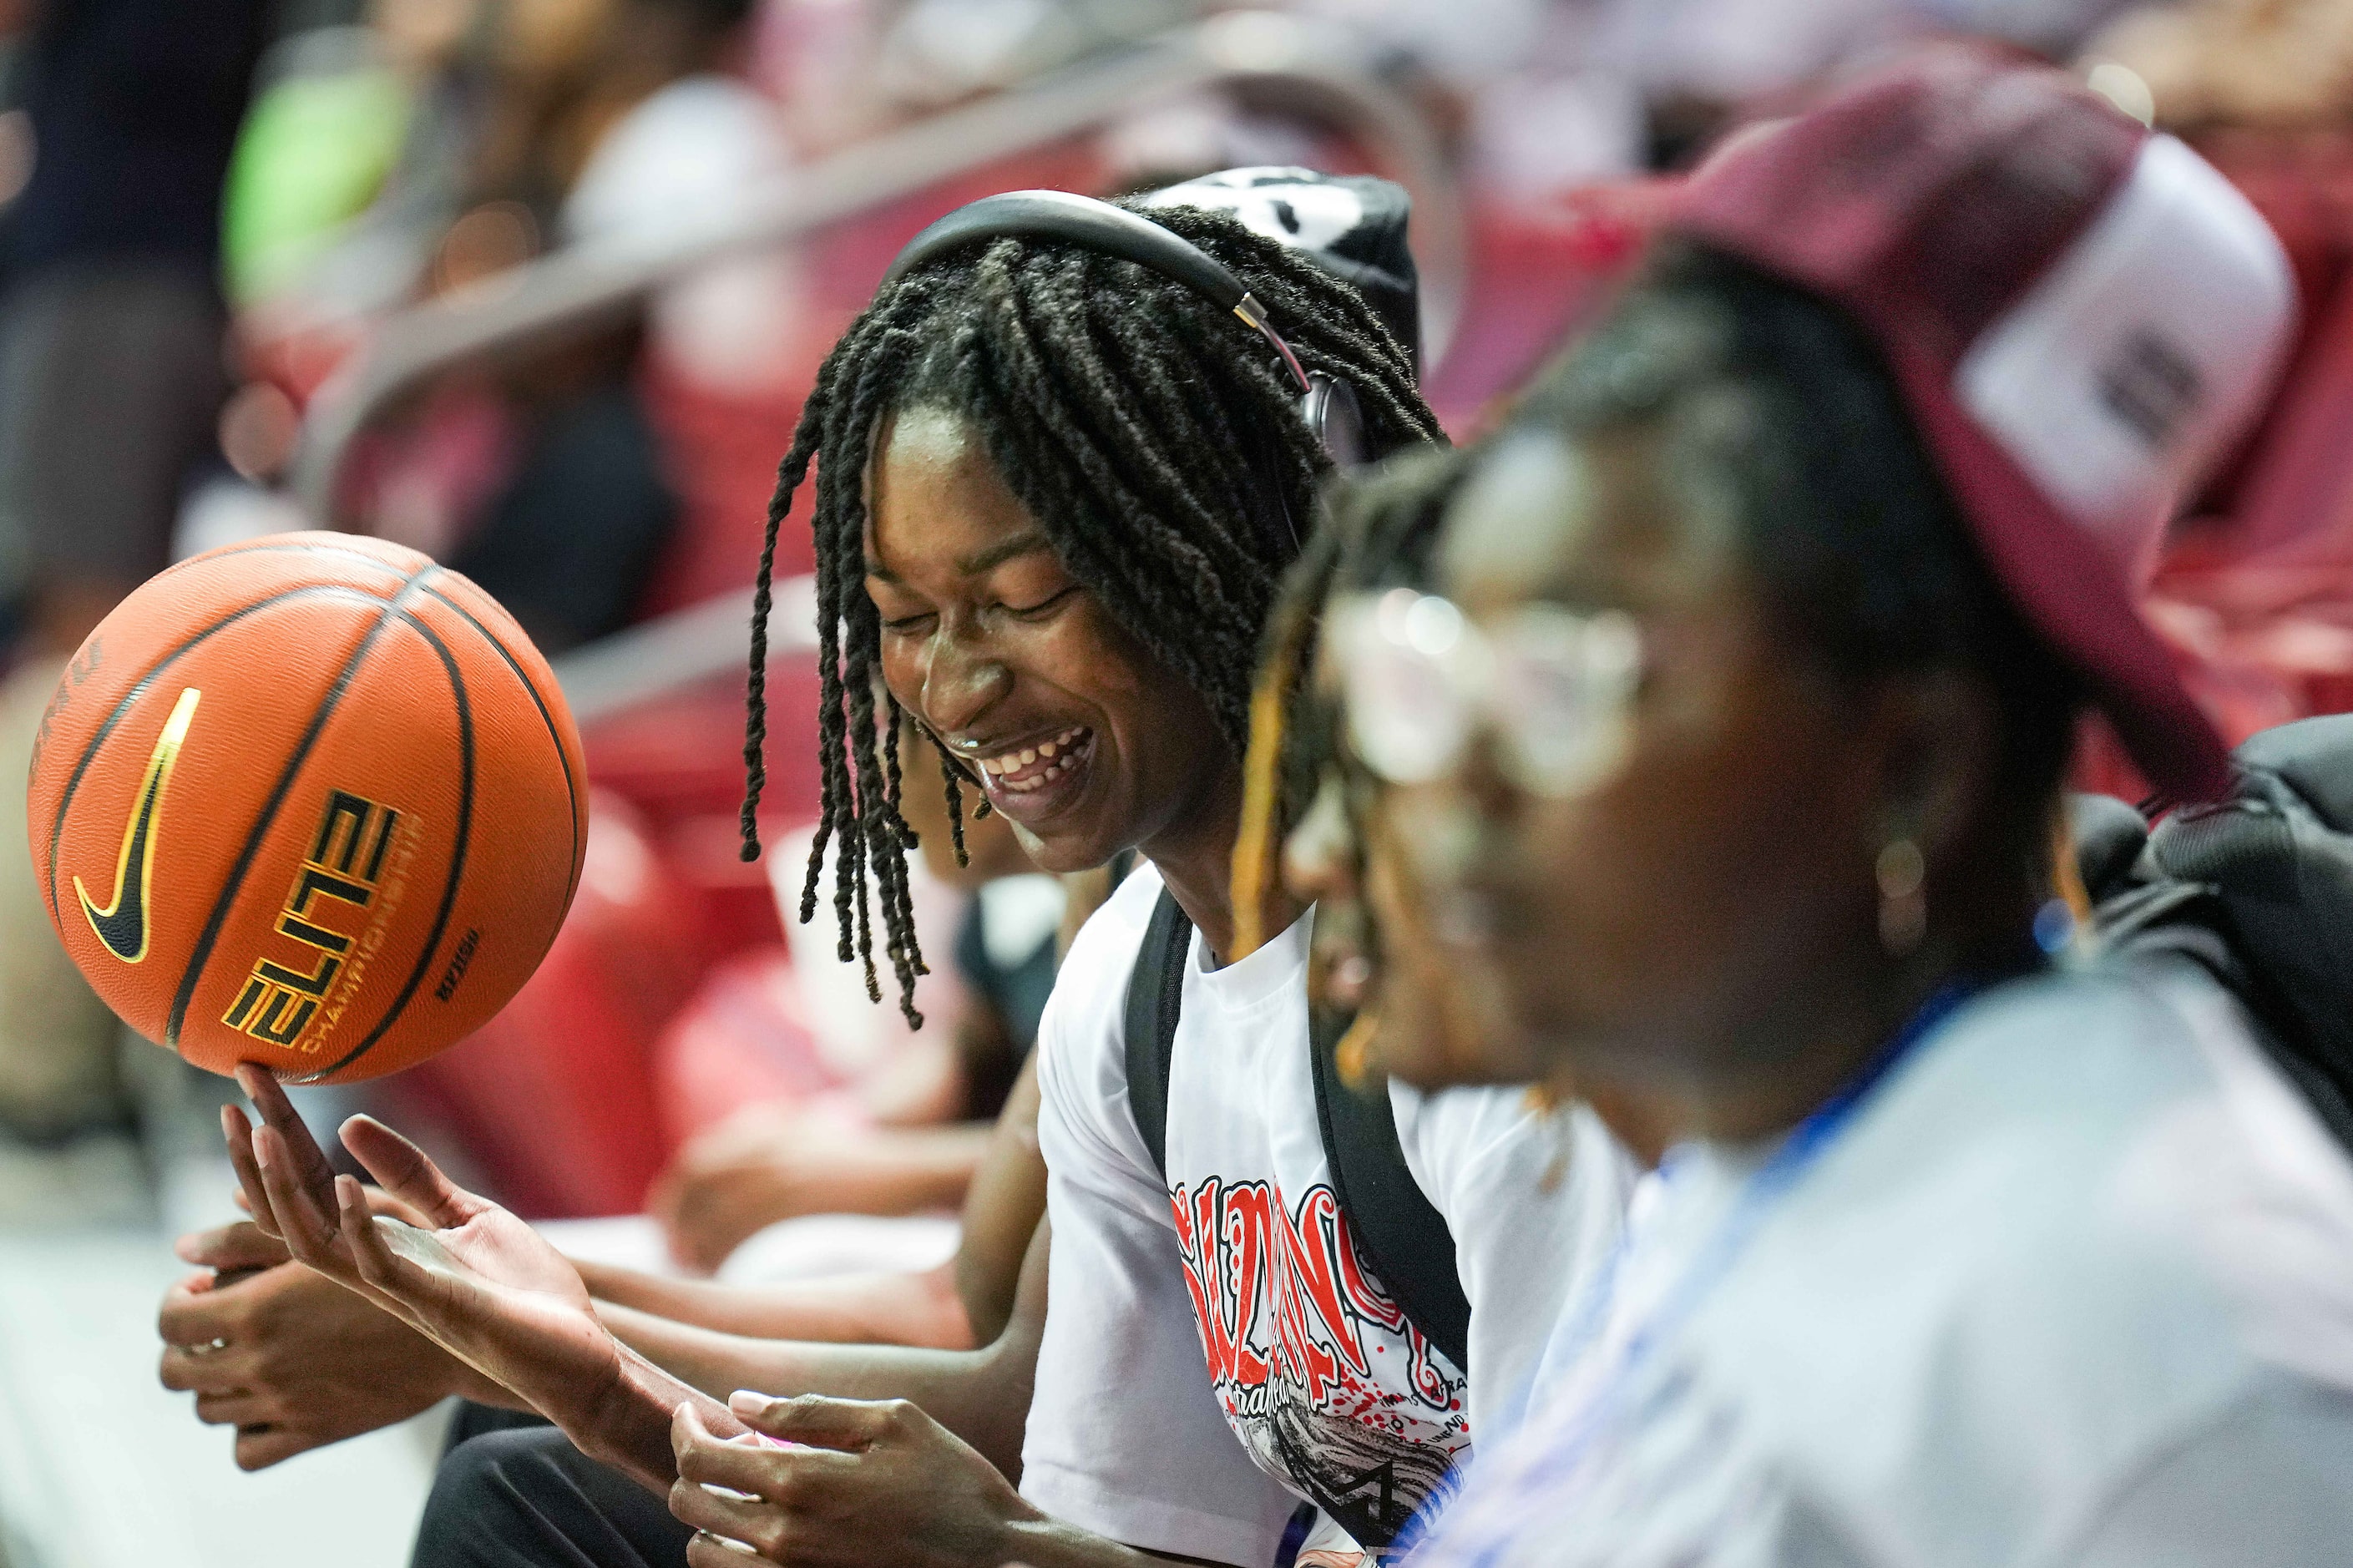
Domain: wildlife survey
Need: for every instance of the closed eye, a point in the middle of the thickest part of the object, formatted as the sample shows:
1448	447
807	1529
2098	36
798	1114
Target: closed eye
1042	606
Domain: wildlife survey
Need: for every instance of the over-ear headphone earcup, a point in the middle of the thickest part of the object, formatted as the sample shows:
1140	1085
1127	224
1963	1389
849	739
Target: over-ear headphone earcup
1335	418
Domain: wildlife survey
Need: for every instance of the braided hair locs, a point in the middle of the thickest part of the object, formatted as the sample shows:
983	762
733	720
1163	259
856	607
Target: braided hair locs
1151	436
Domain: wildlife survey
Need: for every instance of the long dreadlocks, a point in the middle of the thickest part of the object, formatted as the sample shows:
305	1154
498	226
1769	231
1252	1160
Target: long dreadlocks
1107	396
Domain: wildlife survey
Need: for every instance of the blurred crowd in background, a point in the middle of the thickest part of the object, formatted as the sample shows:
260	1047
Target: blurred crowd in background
214	214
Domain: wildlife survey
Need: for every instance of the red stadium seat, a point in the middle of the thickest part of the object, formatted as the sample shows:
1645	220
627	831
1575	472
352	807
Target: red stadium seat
743	1040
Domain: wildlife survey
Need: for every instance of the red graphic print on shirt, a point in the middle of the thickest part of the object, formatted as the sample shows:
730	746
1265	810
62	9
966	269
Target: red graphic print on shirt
1320	1374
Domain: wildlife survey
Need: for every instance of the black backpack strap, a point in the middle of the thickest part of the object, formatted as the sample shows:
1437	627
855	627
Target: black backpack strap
1400	1232
1155	991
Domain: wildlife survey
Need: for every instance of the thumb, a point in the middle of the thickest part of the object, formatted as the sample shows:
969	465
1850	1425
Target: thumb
812	1419
229	1248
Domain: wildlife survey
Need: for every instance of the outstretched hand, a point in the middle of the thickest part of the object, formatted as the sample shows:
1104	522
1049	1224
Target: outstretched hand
468	1276
847	1482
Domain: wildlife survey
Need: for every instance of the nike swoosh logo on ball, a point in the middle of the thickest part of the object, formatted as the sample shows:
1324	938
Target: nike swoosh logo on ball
122	923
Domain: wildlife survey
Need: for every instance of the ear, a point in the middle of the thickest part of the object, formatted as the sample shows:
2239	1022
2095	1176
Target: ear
1939	760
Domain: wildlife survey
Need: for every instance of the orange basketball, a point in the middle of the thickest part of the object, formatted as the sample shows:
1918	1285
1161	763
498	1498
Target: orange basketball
312	802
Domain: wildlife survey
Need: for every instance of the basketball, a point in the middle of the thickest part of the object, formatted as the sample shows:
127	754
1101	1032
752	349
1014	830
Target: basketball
310	801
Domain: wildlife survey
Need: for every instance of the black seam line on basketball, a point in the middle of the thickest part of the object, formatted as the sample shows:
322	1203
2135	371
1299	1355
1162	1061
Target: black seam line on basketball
457	853
203	952
570	790
140	688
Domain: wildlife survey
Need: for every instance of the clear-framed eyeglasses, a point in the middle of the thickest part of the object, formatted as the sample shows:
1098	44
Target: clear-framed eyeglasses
1419	679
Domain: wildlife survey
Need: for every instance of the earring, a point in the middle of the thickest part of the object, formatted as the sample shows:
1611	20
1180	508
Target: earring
1902	876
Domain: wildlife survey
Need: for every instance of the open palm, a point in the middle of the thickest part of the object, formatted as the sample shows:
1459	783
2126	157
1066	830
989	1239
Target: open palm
480	1283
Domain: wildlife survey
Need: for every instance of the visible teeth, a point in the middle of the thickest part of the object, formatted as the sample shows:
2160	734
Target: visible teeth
1057	755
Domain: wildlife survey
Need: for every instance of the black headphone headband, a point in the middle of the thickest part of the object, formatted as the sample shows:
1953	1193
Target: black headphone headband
1097	225
1082	220
1327	403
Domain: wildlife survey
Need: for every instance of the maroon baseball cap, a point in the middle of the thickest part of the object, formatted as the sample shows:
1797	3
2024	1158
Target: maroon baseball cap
2081	315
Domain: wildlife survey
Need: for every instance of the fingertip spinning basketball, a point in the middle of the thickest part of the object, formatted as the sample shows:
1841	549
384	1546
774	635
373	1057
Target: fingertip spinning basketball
310	801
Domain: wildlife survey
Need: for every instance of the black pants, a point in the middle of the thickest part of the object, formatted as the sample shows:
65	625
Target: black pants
513	1493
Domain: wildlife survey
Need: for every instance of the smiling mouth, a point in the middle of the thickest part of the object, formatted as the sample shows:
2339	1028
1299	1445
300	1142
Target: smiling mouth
1032	768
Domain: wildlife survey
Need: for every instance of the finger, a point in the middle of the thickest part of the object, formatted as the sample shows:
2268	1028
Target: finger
777	1475
408	1174
708	1551
192	1314
815	1420
235	1407
379	1266
310	1164
759	1525
748	1464
259	1448
693	1444
309	1236
251	1192
244	1245
195	1369
686	1430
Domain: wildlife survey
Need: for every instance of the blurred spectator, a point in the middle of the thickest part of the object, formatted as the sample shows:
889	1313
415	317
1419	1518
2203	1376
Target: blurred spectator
684	157
110	373
451	141
564	505
1553	94
113	320
354	162
671	140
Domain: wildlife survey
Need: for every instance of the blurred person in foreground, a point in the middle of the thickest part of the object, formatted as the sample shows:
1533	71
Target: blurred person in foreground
772	1163
111	375
1771	612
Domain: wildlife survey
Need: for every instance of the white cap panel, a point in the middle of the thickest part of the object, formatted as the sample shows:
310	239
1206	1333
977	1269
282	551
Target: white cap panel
2119	377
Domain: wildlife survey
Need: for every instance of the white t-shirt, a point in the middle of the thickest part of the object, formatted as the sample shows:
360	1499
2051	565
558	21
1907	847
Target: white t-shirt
1243	1258
2074	1287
